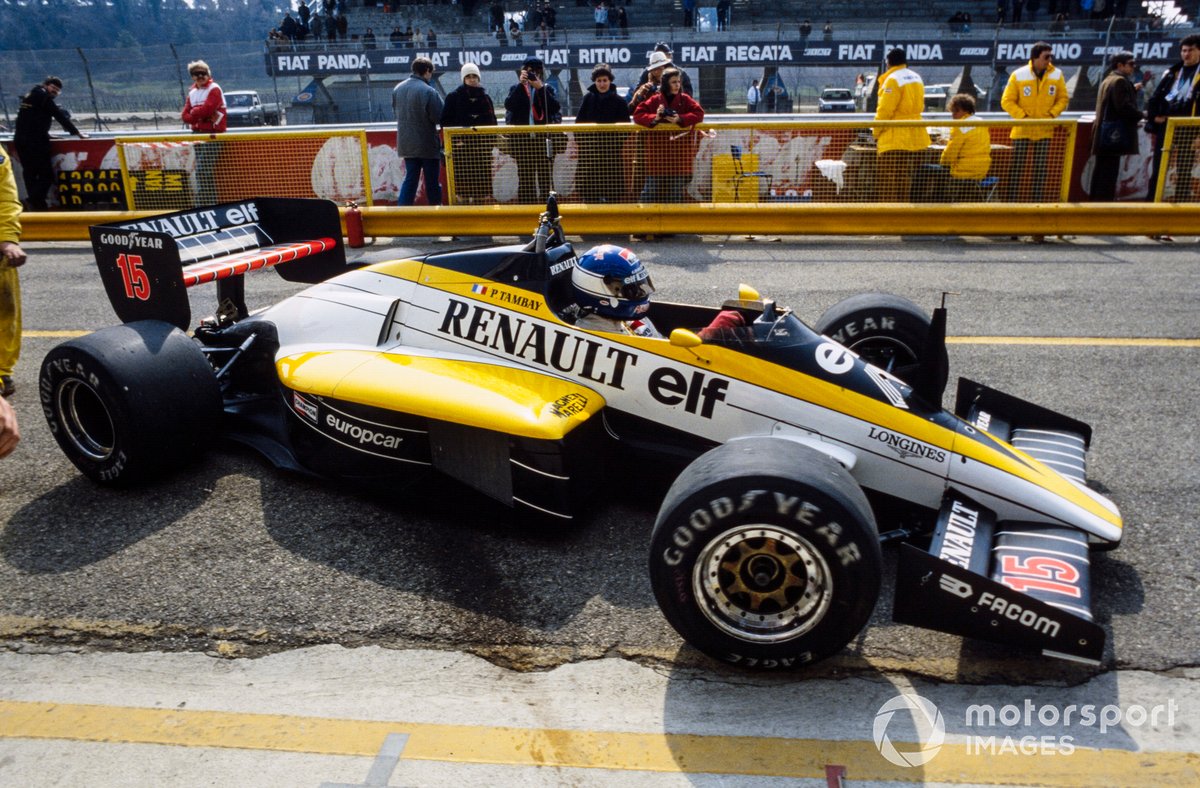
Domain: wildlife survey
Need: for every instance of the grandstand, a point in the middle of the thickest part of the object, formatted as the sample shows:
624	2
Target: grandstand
758	15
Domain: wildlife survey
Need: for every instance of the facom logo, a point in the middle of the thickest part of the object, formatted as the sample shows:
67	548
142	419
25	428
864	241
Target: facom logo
930	728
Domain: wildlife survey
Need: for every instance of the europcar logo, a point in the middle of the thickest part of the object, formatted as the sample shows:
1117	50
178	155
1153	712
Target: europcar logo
930	729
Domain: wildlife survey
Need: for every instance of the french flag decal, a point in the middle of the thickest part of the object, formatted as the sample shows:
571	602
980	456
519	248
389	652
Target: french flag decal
479	289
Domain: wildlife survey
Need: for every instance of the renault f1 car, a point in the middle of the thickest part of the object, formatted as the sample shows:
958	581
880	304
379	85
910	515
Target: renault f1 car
802	448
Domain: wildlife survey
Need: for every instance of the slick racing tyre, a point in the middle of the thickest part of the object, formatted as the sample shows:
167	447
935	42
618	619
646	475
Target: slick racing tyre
765	554
129	402
885	330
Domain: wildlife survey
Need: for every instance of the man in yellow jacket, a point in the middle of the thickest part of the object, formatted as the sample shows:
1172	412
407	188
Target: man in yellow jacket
12	257
901	97
1035	91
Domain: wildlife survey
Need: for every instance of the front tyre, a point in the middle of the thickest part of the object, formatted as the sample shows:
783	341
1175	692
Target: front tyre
765	554
130	402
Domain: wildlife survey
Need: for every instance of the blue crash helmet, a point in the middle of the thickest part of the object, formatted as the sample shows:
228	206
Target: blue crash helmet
612	281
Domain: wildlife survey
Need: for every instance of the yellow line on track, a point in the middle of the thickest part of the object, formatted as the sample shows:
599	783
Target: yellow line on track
656	752
1076	341
1053	341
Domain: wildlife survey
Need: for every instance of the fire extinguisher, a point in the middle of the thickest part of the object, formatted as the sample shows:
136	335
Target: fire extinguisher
354	226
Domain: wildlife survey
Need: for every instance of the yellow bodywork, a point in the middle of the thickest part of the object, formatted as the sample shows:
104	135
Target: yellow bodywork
475	394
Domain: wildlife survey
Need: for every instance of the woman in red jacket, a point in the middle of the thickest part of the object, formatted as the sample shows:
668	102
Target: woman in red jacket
204	111
671	149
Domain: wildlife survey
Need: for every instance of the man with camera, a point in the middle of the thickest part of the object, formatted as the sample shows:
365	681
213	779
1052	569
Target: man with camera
531	102
1176	96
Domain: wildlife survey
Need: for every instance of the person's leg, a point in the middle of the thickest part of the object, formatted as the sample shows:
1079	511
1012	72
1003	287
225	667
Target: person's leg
887	173
1016	168
1155	167
1104	177
545	172
10	320
1045	189
206	173
431	170
37	174
412	177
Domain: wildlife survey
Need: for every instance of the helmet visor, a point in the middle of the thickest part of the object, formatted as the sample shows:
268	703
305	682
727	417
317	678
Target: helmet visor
632	288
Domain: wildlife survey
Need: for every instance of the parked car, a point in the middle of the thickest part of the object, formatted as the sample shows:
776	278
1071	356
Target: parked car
836	100
245	108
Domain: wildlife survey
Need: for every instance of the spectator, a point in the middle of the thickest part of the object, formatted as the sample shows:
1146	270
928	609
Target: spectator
496	17
418	38
31	138
1018	8
805	30
543	34
12	257
723	14
601	176
316	27
408	37
600	16
289	27
901	97
1116	103
827	31
514	32
666	60
774	100
670	152
418	109
1059	27
531	102
623	21
204	110
275	39
753	96
968	154
343	26
1176	96
1036	91
369	38
469	106
689	14
431	38
304	12
396	38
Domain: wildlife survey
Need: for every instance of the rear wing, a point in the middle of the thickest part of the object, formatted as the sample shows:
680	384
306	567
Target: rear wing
148	264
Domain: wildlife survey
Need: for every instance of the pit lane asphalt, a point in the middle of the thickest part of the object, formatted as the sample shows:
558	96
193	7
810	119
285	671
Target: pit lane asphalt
235	558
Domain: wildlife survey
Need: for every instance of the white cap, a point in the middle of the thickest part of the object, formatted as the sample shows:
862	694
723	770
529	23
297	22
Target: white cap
469	69
658	60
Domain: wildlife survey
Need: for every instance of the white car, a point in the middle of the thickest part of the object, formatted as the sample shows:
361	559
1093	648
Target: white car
836	100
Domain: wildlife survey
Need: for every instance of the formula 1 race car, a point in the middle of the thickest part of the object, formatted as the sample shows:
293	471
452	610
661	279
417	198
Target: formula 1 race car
802	448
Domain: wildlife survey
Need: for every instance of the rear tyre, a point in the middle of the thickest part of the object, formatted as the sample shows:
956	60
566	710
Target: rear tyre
130	402
885	330
765	554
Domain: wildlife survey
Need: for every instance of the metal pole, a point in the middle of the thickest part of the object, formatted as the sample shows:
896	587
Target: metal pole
4	106
98	124
179	76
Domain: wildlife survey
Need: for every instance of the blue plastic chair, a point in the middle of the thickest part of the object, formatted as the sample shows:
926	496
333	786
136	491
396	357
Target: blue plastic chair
739	173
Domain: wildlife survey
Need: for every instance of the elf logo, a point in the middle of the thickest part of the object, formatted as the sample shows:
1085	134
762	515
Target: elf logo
699	393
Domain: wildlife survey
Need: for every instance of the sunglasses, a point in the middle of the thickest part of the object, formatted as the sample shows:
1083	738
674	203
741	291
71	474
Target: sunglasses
199	73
